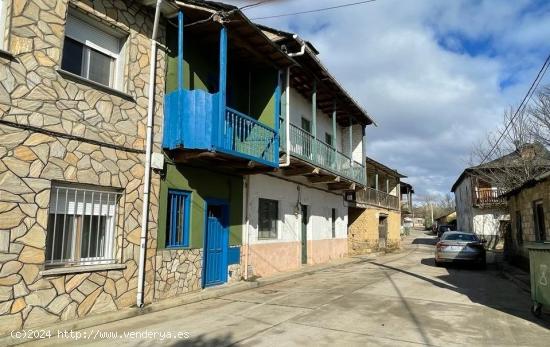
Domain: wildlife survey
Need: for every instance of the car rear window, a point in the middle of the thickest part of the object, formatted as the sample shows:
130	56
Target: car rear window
445	228
460	237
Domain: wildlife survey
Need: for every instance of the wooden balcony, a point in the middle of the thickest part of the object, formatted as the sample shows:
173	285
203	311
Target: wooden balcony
487	197
195	120
371	196
306	147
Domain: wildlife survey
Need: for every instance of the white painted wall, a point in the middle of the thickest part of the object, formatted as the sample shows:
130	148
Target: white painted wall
469	218
301	107
319	204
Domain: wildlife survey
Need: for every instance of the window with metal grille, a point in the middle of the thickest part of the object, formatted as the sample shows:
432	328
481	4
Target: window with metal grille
328	139
268	216
333	220
3	21
91	52
81	225
178	218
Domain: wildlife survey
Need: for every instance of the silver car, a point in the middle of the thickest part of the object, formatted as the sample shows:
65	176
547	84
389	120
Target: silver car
459	246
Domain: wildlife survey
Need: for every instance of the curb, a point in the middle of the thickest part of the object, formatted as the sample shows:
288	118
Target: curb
184	299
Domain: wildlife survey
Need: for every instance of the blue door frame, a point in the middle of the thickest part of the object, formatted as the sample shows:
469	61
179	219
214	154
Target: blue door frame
216	244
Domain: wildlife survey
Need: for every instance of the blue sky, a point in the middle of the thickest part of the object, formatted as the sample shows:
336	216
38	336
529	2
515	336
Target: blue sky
435	74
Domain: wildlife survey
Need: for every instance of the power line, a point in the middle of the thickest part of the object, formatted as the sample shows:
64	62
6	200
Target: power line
526	98
221	12
315	10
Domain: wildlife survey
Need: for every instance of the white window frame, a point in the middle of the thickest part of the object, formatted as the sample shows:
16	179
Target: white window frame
79	201
94	35
3	23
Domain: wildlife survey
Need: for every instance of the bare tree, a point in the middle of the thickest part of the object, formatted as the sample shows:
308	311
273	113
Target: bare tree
516	152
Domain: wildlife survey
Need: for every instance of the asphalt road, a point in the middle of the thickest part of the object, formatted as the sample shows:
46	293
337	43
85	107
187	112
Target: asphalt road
396	300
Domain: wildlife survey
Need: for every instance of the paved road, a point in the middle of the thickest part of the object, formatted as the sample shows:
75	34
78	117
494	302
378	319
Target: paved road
398	300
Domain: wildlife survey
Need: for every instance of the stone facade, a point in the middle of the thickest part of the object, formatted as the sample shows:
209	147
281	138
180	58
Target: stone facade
522	202
363	230
177	272
57	129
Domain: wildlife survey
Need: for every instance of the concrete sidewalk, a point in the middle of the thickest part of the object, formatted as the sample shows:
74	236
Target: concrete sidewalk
205	294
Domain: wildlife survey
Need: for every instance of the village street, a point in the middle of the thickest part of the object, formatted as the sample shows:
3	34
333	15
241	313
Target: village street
397	299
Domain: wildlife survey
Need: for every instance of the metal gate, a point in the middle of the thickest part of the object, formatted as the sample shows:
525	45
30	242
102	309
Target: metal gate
216	244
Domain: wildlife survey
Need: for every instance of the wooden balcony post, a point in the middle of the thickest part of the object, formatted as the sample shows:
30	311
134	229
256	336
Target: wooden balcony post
334	137
350	138
314	110
277	114
222	83
180	49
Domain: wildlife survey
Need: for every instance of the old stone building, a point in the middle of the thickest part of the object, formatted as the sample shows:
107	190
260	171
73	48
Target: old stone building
73	103
375	213
528	206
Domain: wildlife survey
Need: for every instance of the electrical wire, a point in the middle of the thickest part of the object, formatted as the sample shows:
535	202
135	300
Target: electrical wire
315	10
526	98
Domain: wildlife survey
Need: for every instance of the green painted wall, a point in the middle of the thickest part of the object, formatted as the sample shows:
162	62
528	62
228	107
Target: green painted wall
200	63
250	90
202	184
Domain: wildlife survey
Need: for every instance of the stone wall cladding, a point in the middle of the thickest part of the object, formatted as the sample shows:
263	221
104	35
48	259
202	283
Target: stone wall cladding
363	231
177	272
39	112
523	202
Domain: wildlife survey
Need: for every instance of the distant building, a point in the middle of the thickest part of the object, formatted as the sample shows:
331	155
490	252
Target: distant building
447	219
480	206
375	212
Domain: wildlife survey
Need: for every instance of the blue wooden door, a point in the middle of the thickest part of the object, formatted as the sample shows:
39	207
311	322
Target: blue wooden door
216	244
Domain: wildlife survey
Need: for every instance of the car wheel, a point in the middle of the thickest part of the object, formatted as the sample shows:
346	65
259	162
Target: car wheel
482	264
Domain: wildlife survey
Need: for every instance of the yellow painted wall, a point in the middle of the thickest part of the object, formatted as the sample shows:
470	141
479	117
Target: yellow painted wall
363	230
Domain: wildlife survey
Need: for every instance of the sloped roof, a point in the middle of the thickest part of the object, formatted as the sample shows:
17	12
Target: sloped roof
541	158
328	88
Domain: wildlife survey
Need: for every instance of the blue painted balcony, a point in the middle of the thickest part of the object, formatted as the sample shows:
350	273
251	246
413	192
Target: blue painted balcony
196	120
222	101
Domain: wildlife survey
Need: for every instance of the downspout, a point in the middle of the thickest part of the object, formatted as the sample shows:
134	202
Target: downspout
247	225
148	149
287	103
287	120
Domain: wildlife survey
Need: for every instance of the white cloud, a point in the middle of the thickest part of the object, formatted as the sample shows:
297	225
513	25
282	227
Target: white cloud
431	102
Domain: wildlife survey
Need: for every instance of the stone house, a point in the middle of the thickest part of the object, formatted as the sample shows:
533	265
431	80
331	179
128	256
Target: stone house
375	212
74	78
528	206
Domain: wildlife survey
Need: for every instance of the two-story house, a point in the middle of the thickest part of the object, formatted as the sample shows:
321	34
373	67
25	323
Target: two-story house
77	98
480	205
221	124
375	212
297	215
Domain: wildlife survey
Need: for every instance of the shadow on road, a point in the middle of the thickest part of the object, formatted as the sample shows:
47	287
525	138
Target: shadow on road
203	341
479	288
424	241
482	287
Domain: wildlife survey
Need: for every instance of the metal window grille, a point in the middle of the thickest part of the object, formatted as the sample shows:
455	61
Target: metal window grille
81	226
178	218
268	215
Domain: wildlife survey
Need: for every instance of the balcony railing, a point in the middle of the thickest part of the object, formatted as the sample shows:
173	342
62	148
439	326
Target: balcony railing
195	119
488	197
376	197
304	146
245	135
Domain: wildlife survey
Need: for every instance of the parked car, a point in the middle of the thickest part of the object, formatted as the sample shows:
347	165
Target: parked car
443	228
459	246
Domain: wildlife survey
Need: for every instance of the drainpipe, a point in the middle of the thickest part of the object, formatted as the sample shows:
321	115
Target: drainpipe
287	120
287	103
247	225
148	149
